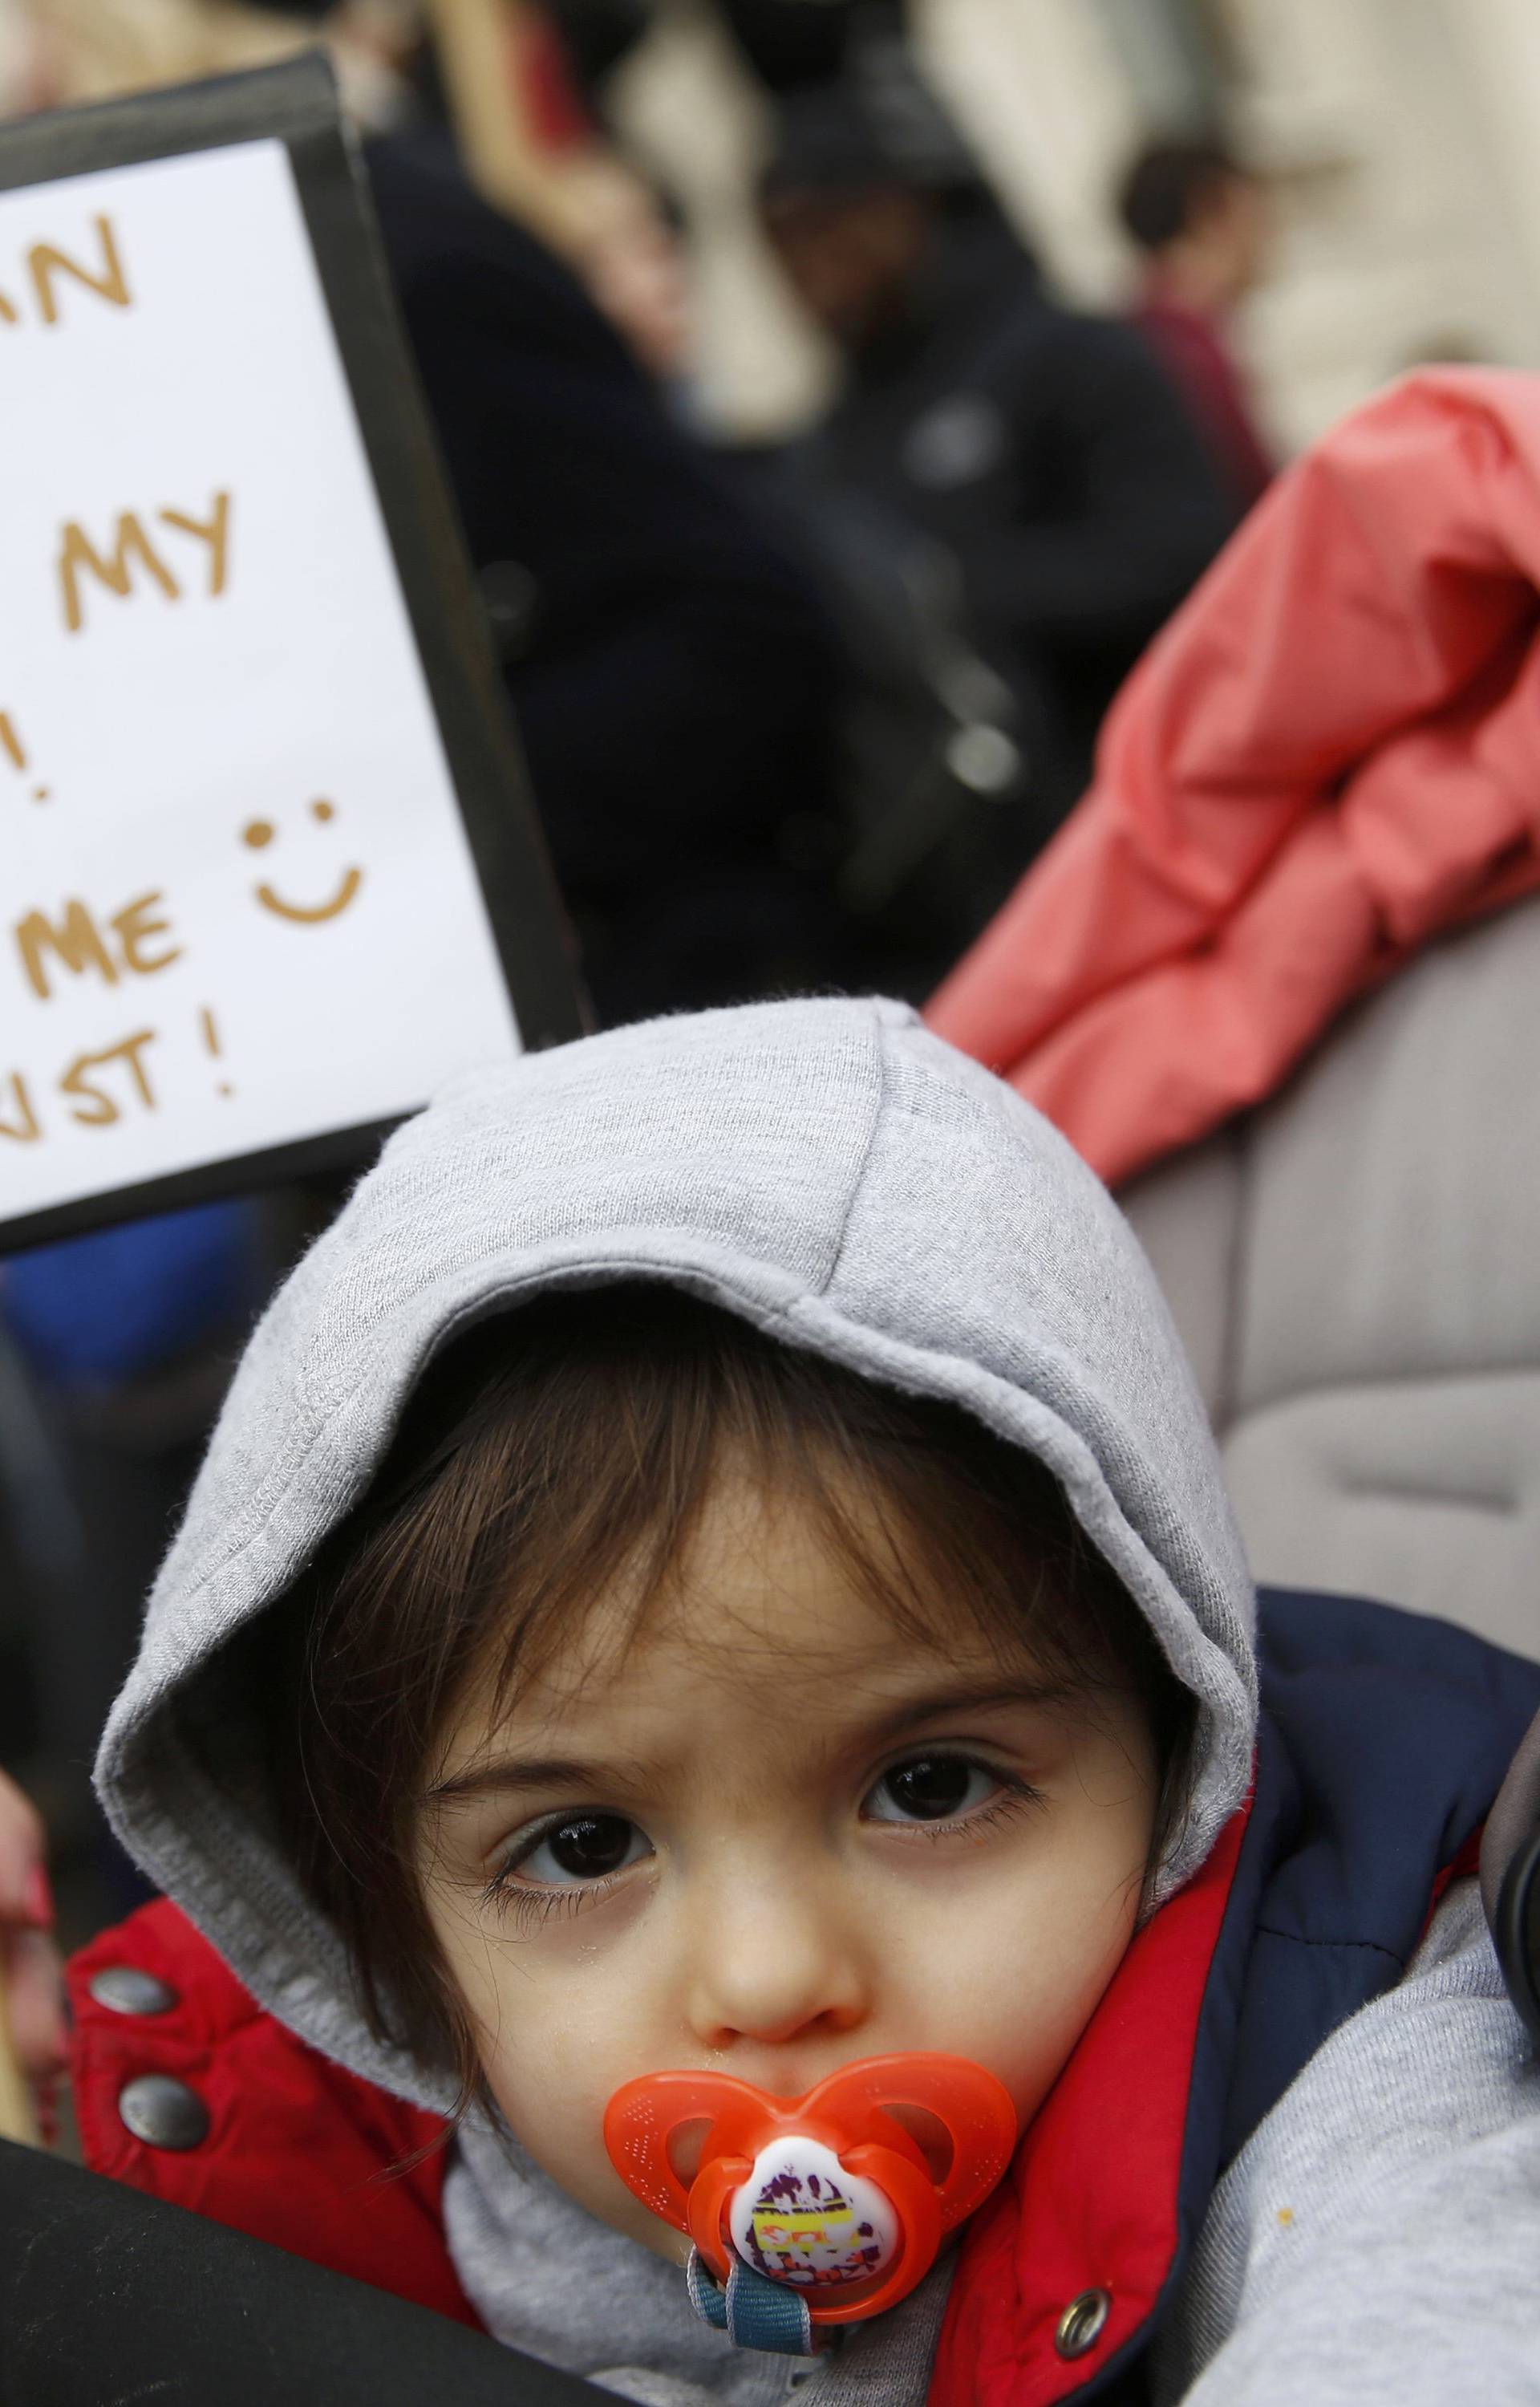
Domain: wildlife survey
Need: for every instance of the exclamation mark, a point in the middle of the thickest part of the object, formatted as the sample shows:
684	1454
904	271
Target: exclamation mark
211	1041
16	753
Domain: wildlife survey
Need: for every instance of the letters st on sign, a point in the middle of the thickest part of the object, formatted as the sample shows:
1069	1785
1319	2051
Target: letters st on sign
267	873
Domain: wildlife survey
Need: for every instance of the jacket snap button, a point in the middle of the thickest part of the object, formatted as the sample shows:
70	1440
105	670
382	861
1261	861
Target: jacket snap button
1083	2323
129	1991
162	2112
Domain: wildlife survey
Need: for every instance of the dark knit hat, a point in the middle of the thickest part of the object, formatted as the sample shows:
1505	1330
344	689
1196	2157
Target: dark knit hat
880	124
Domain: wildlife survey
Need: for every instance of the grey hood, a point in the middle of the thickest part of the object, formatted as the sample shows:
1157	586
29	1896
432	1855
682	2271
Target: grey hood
829	1170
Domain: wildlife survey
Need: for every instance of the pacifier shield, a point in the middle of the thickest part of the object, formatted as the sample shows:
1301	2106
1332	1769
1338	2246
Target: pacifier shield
828	2193
801	2217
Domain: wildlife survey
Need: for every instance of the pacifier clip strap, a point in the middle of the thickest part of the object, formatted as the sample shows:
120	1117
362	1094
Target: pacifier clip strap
754	2313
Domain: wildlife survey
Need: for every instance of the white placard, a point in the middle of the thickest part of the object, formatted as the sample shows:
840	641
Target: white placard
237	904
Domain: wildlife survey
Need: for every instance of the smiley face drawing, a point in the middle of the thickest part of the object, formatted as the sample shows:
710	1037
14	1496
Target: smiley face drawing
259	833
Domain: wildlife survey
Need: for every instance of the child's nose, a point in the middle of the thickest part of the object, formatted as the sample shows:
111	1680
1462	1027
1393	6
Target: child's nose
775	1965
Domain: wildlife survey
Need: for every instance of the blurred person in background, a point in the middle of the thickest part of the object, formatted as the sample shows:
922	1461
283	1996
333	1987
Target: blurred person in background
1203	225
75	52
518	81
1033	476
671	673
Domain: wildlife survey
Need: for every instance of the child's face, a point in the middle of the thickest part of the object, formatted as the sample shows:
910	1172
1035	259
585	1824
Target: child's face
770	1836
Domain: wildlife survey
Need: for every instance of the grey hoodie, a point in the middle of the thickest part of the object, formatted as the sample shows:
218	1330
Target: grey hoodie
849	1185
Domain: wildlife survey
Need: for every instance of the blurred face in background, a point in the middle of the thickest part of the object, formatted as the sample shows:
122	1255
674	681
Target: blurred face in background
1234	227
851	257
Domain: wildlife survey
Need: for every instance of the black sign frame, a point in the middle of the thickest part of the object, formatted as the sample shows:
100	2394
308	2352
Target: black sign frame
296	103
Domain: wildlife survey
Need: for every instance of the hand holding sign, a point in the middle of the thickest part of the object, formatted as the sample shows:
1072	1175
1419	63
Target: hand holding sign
242	754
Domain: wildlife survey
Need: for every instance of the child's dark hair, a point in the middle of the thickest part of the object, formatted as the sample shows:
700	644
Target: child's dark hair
553	1448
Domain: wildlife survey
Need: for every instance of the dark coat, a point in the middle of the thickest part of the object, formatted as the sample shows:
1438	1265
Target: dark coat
674	682
1052	457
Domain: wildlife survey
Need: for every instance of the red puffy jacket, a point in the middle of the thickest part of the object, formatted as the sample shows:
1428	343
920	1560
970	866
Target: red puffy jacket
1331	754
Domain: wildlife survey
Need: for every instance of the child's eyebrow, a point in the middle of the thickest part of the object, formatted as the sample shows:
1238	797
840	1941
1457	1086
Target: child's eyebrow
504	1773
510	1774
970	1698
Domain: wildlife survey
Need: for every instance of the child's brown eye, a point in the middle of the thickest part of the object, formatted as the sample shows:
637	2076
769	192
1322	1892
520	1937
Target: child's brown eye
931	1789
583	1847
590	1848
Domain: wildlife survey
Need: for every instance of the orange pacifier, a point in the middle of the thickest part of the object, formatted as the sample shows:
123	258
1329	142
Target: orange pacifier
829	2196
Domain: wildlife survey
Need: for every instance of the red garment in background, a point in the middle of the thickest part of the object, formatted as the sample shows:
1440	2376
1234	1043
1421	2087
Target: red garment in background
1191	346
554	109
1331	754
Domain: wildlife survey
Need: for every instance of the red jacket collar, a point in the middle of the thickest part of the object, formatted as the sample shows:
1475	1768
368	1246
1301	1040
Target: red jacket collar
298	2152
1090	2204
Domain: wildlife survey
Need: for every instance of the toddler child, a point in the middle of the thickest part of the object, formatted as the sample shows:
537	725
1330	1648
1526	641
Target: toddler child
715	1565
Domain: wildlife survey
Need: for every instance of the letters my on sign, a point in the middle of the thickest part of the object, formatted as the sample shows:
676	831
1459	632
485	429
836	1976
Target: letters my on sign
266	875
